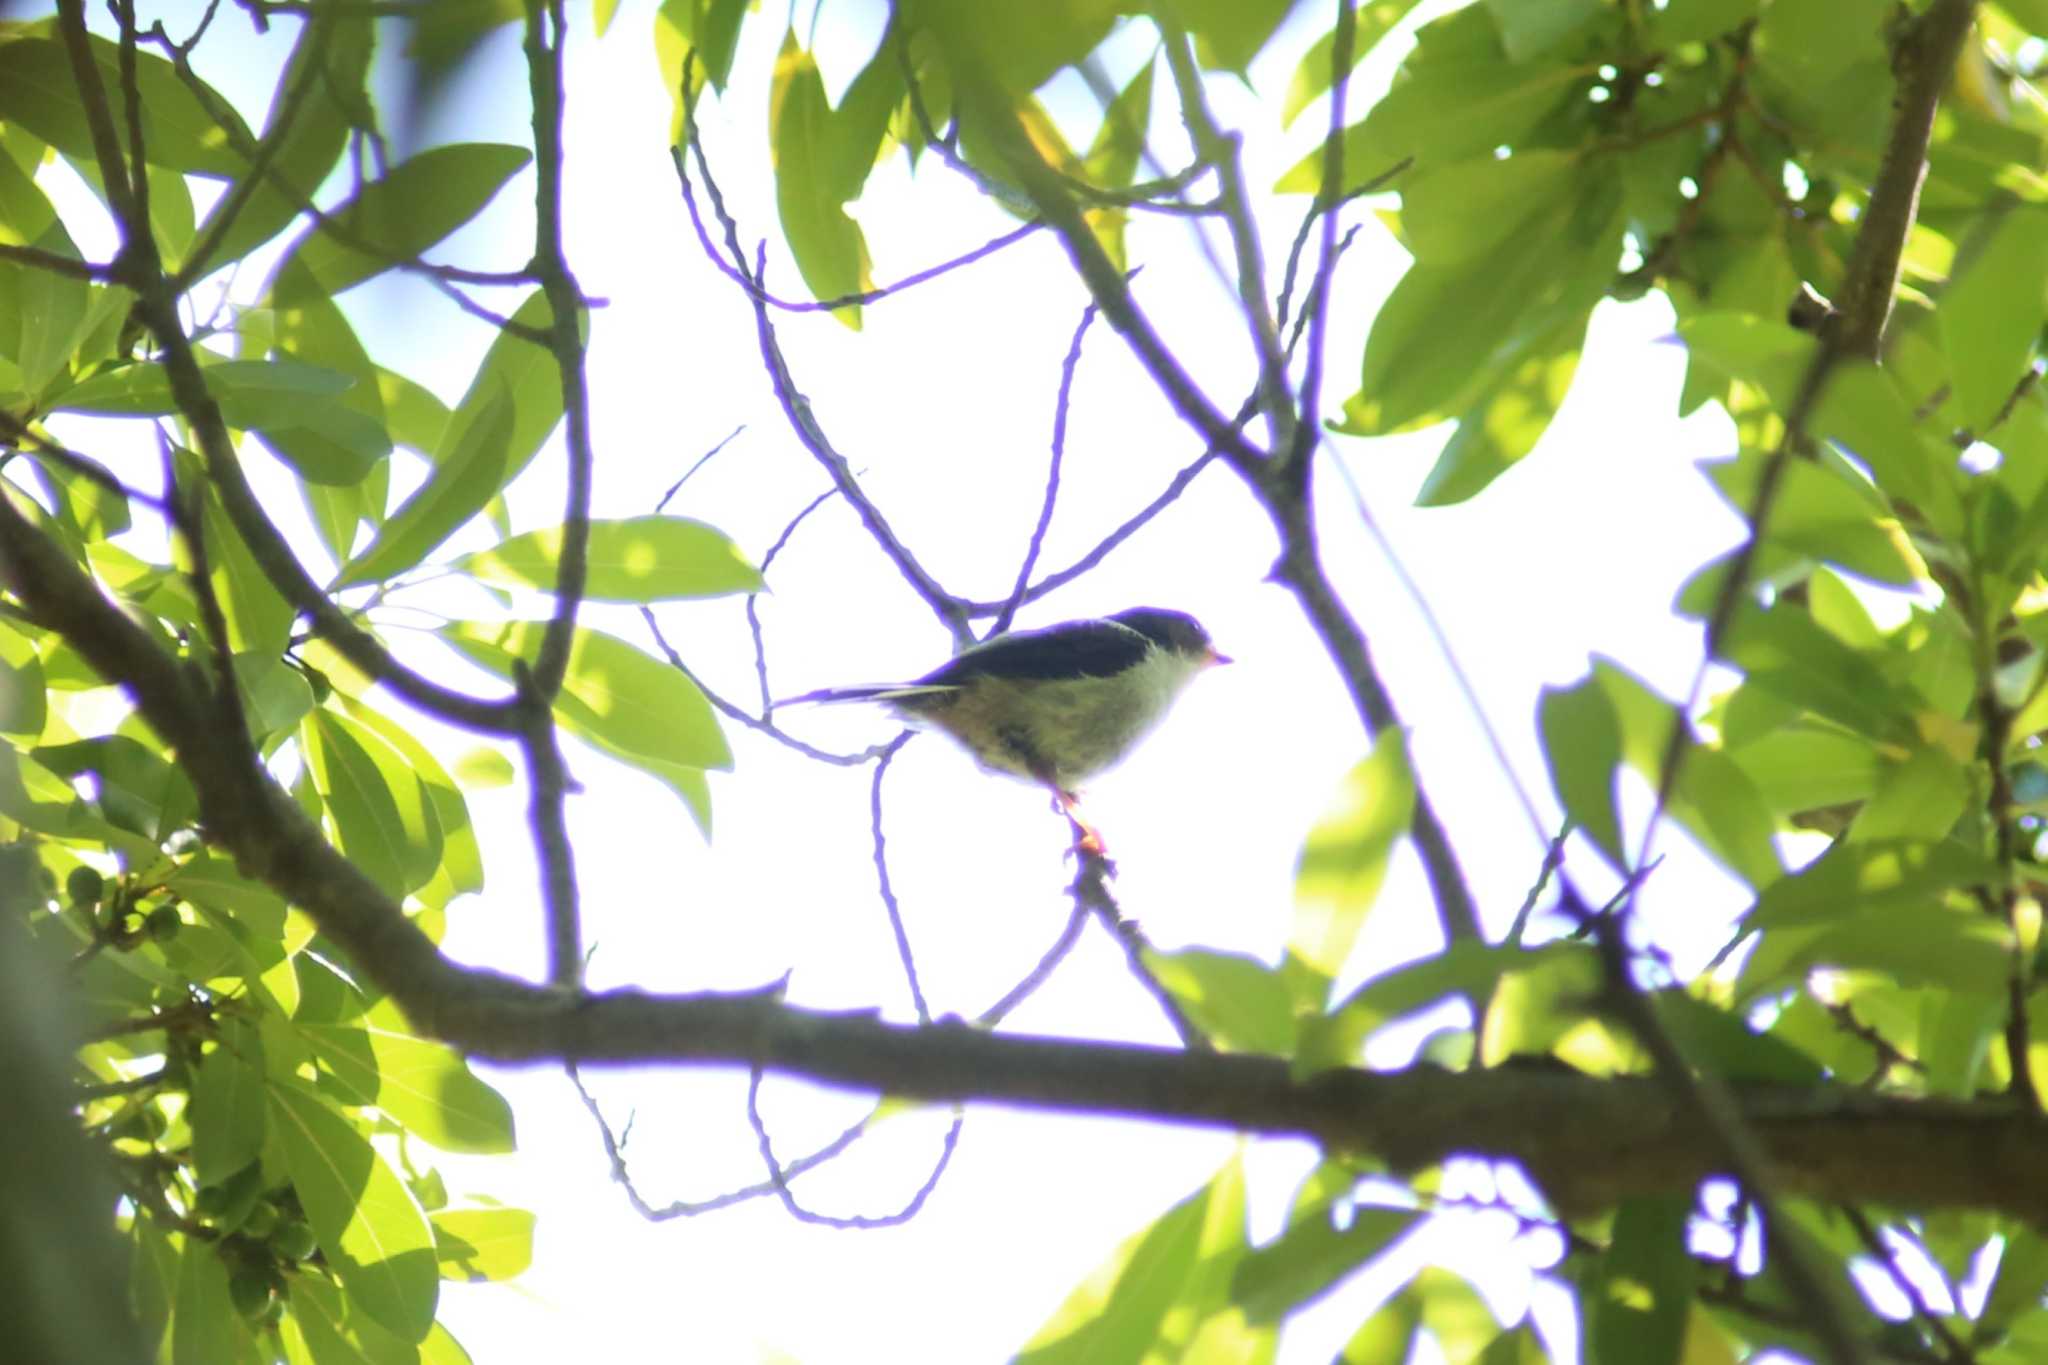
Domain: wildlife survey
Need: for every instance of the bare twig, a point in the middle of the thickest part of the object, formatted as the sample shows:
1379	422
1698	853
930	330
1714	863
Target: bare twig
882	883
943	604
1091	892
778	1175
702	460
759	724
1052	475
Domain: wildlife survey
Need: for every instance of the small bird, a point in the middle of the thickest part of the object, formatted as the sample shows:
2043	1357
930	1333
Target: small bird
1057	705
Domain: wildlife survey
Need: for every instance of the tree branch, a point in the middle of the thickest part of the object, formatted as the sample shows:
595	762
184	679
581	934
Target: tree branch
1586	1140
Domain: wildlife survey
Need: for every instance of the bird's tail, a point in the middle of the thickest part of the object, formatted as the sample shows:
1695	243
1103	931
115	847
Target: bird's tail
870	692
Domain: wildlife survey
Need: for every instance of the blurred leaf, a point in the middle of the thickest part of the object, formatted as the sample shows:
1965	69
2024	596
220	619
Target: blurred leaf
1113	158
1312	76
38	92
1854	878
483	768
1229	33
376	1240
275	696
1174	1273
1344	860
1991	314
138	788
1458	95
205	1328
1448	334
1531	28
483	1244
829	248
1312	1256
1463	968
228	1105
512	405
710	30
257	395
638	559
1238	1003
396	218
1505	422
24	704
1582	744
315	130
1640	1292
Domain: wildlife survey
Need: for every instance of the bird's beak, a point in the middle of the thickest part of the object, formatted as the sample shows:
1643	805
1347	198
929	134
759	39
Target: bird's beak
1214	656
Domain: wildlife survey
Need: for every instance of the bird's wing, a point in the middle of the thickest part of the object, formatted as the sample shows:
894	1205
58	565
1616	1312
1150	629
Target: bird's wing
1078	649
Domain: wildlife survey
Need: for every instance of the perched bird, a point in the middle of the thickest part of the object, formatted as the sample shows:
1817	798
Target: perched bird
1057	705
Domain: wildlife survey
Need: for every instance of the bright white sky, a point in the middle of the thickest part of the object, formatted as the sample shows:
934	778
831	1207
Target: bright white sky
945	402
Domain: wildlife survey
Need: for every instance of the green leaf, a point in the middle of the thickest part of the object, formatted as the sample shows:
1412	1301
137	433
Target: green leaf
1878	876
1172	1273
275	696
1312	1256
1991	315
830	250
462	867
340	1329
1448	334
615	697
383	818
228	1105
38	92
1113	157
1464	968
24	704
1458	96
376	1240
1456	212
425	1086
707	31
315	129
1312	76
1640	1292
638	559
1531	28
483	1244
138	788
1238	1003
1344	860
1919	943
1229	33
396	218
277	398
1785	652
205	1328
1698	21
1507	420
512	404
1582	745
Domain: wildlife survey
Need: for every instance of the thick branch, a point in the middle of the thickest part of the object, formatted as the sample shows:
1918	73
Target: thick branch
1587	1140
1924	58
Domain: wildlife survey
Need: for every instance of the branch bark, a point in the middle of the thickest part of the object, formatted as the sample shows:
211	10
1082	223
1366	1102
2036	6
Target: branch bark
1587	1141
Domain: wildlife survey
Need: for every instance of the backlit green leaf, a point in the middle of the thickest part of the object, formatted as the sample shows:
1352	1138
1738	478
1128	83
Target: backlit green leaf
1344	860
639	559
376	1240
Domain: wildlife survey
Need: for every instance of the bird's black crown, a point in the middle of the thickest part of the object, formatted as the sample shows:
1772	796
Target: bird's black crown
1175	630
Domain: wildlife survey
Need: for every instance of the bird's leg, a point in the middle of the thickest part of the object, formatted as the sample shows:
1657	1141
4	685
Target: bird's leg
1086	838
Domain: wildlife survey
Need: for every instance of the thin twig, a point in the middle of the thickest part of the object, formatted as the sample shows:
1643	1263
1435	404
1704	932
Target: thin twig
883	884
1052	474
702	460
759	724
778	1175
1091	892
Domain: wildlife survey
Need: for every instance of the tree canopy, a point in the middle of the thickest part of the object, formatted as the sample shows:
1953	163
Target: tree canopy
233	834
